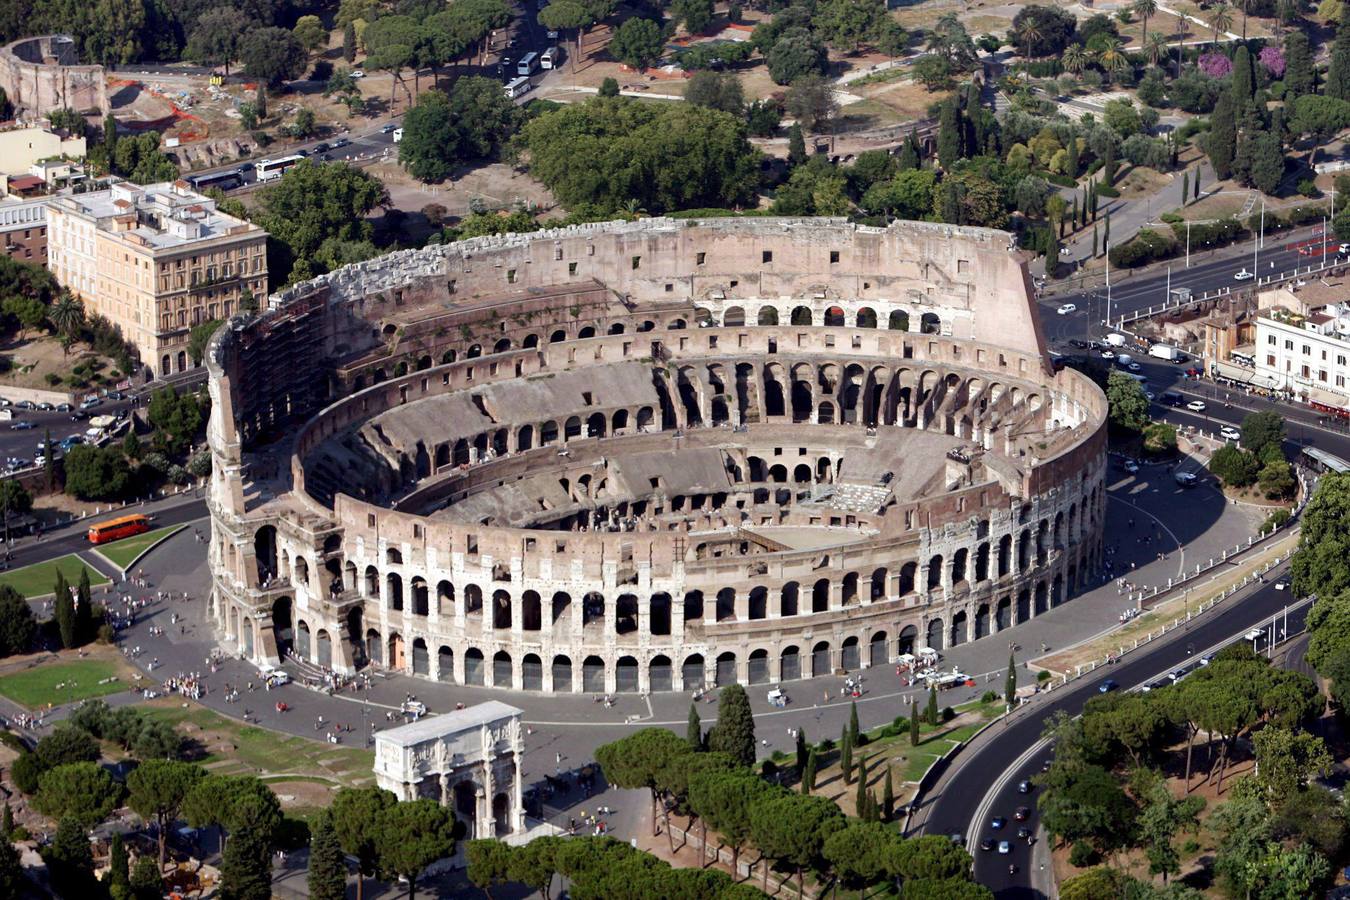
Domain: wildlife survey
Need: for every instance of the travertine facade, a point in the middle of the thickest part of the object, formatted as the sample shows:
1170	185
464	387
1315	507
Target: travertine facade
650	456
41	74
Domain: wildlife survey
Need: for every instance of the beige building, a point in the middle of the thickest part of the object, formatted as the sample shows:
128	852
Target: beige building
155	261
22	148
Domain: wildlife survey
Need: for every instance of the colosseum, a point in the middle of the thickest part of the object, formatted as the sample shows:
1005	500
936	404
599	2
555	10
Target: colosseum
650	456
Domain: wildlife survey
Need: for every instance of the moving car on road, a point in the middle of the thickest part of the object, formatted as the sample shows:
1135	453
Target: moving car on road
1229	433
1243	275
1066	308
1196	406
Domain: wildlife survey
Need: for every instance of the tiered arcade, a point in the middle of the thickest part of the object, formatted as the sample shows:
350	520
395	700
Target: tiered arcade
650	456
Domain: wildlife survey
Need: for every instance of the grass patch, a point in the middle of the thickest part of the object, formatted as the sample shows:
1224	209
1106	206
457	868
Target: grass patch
230	747
63	682
40	578
303	779
121	553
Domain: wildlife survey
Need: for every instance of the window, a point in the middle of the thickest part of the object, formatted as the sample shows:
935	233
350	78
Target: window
1288	345
669	287
1307	350
834	256
510	276
1270	339
766	256
571	268
1270	359
637	262
962	266
701	258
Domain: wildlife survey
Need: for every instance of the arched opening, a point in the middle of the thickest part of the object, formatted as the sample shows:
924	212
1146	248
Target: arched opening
501	609
820	596
899	320
820	659
531	672
733	317
660	674
421	604
445	664
626	675
725	672
531	611
282	631
834	317
801	315
982	621
302	641
394	591
866	318
420	658
935	634
562	674
593	675
265	552
788	599
692	672
397	659
929	323
768	315
324	648
502	675
876	650
474	673
501	815
757	667
374	647
849	656
790	664
908	636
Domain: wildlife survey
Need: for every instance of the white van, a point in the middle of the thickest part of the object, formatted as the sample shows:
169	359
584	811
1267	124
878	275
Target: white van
550	58
398	135
517	86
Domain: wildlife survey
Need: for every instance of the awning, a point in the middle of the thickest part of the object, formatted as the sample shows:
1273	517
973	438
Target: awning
1245	375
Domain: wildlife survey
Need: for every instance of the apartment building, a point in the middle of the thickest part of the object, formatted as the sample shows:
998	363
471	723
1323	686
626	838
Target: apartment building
155	260
23	230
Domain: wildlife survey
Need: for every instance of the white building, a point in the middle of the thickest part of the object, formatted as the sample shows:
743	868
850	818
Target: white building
1306	354
468	760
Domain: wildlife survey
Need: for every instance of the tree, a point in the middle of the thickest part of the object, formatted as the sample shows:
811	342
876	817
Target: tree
1220	144
949	38
349	42
949	147
858	852
809	775
693	732
12	880
246	866
853	722
846	755
310	33
118	878
887	797
796	53
272	55
1233	466
198	338
70	861
696	15
796	145
793	829
412	835
1127	402
638	42
567	15
1287	761
724	800
638	761
1338	72
1299	73
312	203
1162	817
84	609
811	101
234	803
355	812
146	881
933	72
801	749
82	792
17	626
214	41
157	790
717	90
1261	429
913	723
931	713
1010	683
1091	806
601	154
65	607
327	866
734	733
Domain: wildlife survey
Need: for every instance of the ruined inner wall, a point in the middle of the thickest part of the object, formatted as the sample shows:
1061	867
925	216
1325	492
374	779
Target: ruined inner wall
41	74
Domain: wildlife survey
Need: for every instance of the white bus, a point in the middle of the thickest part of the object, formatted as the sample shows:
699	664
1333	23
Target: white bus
517	86
272	169
528	64
550	58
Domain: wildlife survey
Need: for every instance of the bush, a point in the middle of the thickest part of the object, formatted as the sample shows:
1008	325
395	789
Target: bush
1082	855
1171	218
1308	188
1145	247
948	714
1234	466
1105	190
1278	519
106	635
1043	675
988	697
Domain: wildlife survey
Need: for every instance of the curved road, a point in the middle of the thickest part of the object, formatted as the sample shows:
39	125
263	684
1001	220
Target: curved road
984	768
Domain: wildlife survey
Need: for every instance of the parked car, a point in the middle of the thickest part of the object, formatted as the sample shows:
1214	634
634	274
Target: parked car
1021	813
1024	786
997	823
91	403
1004	848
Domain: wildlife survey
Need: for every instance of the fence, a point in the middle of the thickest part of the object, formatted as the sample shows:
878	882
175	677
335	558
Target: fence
1173	305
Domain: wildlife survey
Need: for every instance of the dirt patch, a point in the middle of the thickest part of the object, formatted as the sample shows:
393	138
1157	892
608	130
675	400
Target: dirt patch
497	186
1141	182
302	794
32	358
1216	206
906	99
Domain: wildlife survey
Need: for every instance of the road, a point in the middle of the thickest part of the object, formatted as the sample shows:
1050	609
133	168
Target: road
984	770
29	550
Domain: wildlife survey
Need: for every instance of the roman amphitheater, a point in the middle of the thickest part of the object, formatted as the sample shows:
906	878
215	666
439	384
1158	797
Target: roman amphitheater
650	456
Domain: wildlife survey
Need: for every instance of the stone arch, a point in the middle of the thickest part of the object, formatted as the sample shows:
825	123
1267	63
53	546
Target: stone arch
801	315
421	660
445	663
790	664
561	669
935	634
626	675
866	318
502	672
660	676
474	670
724	670
909	635
820	659
768	315
733	316
531	672
876	650
693	673
593	675
421	604
850	654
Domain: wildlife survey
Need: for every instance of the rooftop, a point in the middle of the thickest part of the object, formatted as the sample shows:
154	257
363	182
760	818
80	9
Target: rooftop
430	727
159	216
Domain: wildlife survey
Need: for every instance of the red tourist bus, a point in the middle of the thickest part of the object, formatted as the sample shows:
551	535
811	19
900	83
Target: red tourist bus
114	529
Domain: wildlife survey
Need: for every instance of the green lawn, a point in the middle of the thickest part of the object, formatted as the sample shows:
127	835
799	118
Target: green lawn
40	578
233	748
121	553
63	682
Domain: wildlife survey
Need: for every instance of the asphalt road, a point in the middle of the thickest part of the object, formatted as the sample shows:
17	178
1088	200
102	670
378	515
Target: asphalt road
29	550
986	769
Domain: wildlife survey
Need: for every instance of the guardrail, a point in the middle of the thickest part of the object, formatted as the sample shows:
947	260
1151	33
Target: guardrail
1172	305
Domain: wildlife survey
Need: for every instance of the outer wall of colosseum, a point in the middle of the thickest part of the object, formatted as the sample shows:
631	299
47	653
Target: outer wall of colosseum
650	456
41	74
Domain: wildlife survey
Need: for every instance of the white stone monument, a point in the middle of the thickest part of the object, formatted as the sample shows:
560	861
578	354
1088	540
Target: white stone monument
468	760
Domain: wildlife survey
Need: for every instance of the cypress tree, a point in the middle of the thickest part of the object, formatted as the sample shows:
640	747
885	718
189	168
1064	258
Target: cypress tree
796	145
693	733
1074	217
853	722
7	822
1299	73
1010	685
65	611
734	733
1071	157
70	861
1095	247
1106	234
802	752
1221	144
327	864
1197	183
1338	73
1092	197
913	724
949	135
887	797
846	755
932	713
860	799
146	879
1108	169
1243	82
349	43
809	775
1185	186
246	868
84	611
909	153
118	878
